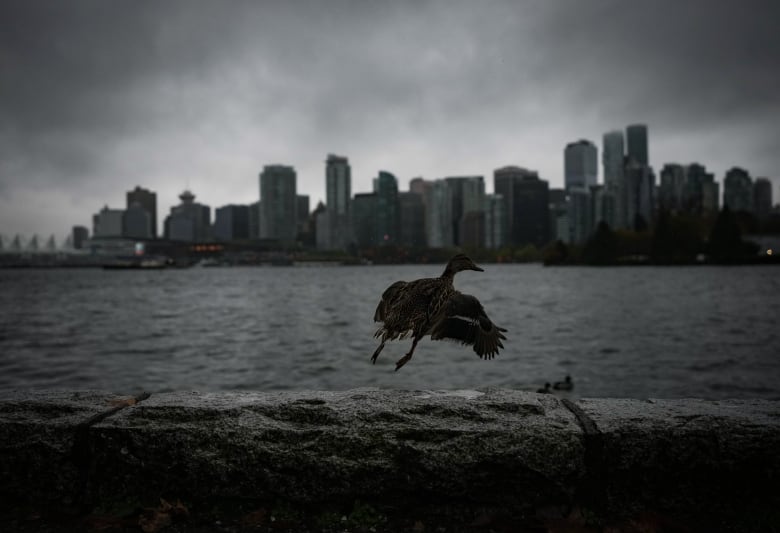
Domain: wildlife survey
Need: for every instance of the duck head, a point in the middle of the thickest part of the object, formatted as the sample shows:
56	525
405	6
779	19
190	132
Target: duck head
458	263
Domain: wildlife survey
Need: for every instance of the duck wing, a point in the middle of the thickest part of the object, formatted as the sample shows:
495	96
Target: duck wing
391	295
462	318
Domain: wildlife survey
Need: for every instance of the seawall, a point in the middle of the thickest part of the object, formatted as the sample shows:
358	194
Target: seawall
388	460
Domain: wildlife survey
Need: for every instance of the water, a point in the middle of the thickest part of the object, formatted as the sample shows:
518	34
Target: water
635	332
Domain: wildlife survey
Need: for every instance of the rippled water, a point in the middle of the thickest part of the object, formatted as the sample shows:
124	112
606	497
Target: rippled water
626	332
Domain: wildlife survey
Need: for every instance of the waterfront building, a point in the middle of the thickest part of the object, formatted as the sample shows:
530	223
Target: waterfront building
495	221
189	221
697	180
579	215
612	154
137	223
79	236
231	222
108	222
148	200
278	204
388	227
438	215
762	197
254	220
738	190
671	192
467	194
338	200
412	214
558	208
526	202
640	188
364	219
638	151
580	164
603	207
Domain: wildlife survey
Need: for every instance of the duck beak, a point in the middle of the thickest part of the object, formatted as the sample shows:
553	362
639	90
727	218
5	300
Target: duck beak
475	267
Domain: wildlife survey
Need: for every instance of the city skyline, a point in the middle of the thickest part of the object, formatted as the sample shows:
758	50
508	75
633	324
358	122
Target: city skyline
203	97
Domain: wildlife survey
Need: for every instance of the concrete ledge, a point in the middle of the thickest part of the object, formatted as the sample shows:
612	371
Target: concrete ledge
453	459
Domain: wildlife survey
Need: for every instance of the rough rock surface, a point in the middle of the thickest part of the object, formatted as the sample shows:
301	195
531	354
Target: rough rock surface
454	457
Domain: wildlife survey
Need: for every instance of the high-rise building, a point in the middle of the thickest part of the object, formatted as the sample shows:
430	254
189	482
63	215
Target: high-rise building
467	194
579	215
671	193
137	223
495	221
231	222
80	234
364	219
697	179
108	222
148	200
603	207
278	204
338	185
580	162
388	227
762	197
640	201
526	203
559	221
637	143
438	214
254	220
412	214
612	154
738	190
189	221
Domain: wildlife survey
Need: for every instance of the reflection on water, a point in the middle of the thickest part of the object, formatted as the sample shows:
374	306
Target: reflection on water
628	332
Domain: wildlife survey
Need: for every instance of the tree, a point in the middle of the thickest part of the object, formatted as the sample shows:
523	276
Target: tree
602	246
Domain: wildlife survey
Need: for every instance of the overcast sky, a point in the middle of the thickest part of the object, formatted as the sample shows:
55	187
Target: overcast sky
97	97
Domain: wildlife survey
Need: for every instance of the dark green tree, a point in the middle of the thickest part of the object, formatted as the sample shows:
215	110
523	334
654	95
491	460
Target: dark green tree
602	246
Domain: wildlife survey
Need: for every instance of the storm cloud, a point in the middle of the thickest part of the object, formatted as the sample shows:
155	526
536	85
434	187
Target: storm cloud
99	96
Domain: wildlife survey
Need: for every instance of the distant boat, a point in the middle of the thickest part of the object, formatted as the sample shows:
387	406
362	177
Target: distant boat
136	264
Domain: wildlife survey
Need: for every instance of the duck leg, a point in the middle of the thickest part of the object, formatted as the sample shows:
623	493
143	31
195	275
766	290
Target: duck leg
405	359
376	353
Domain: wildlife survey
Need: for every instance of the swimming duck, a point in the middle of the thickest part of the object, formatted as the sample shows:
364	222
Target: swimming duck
545	390
432	306
566	384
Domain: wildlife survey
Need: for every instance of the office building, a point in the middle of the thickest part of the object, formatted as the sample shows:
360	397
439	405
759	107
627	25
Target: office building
137	223
278	204
697	180
580	162
526	201
467	194
338	200
364	219
495	222
412	213
671	192
762	197
79	236
189	221
438	214
638	151
388	227
108	222
148	200
612	154
640	198
738	190
231	222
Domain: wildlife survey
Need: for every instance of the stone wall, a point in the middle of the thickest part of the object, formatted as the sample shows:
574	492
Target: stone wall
388	460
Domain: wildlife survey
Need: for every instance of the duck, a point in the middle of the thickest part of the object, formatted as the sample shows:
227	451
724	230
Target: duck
566	384
545	390
432	306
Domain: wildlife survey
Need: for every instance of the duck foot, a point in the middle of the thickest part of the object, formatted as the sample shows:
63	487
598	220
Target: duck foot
402	361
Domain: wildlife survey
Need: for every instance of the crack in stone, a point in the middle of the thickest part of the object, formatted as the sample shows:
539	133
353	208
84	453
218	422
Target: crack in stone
593	486
81	452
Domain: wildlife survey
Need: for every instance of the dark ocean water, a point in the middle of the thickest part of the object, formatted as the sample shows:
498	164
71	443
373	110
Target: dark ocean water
635	332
